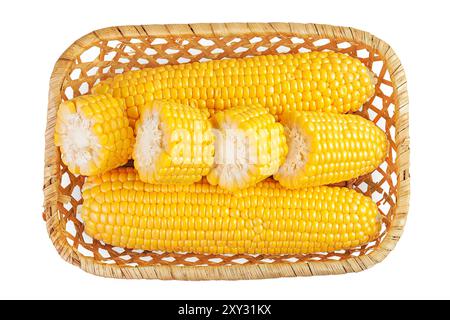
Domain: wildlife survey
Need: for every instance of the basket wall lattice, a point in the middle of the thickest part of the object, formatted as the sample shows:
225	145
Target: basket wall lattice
109	51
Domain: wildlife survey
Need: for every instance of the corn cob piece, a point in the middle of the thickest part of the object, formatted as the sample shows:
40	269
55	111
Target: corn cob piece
249	147
93	134
316	81
174	144
121	210
327	148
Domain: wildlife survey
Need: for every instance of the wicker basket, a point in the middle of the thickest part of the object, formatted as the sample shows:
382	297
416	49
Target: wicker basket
105	52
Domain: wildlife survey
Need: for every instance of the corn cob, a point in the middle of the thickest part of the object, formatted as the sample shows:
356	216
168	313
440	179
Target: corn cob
317	81
93	134
327	148
249	147
123	211
174	144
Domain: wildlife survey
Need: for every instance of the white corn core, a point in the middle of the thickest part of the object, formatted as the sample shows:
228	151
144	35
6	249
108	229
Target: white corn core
79	142
149	142
298	149
231	157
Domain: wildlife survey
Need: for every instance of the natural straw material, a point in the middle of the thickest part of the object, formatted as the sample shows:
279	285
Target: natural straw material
105	52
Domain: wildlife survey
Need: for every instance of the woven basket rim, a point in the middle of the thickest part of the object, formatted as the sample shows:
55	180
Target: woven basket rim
233	272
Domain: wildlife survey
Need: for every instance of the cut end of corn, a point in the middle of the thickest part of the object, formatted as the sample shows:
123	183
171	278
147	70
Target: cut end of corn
249	147
121	210
93	134
327	148
174	143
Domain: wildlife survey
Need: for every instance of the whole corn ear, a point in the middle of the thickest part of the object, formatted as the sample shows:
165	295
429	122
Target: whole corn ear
123	211
174	143
317	81
327	148
93	134
249	147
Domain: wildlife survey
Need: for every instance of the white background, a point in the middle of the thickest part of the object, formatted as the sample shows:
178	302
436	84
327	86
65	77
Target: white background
34	34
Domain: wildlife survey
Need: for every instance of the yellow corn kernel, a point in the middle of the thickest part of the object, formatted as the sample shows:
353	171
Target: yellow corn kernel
93	134
174	143
206	219
326	148
249	147
316	81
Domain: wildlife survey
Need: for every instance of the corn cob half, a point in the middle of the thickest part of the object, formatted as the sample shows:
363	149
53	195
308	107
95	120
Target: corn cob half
121	210
174	143
327	148
317	81
249	147
93	134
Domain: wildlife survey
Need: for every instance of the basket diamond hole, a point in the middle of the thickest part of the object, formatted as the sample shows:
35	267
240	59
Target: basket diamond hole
124	60
321	42
381	123
261	49
125	257
344	45
110	56
194	52
283	49
205	42
104	253
114	44
217	51
84	88
142	61
90	54
87	239
183	60
363	186
192	259
297	40
204	60
162	61
70	242
70	228
387	90
118	70
92	71
146	258
372	114
255	39
391	110
215	260
387	76
159	41
377	66
171	51
134	40
378	103
168	259
292	259
118	250
68	93
106	70
150	51
85	252
65	180
275	40
363	53
267	260
76	193
240	261
234	40
75	74
304	50
240	49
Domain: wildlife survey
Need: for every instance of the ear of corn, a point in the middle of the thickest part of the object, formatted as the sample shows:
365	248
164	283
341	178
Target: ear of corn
249	147
316	81
327	148
123	211
93	134
174	143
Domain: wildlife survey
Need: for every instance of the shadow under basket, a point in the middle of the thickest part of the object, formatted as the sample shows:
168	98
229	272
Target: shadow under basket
106	52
